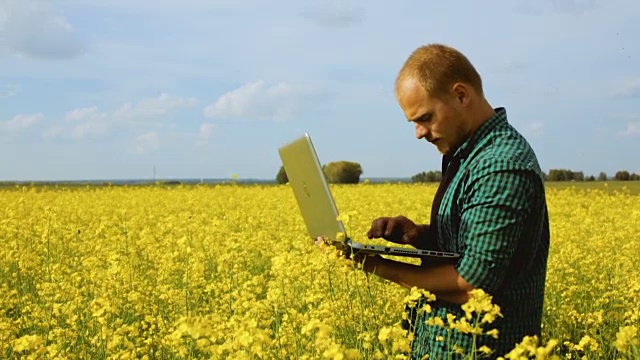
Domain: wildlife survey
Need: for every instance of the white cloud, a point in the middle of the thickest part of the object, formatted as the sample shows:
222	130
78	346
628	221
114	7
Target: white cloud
155	5
87	122
255	100
512	63
628	88
535	128
152	107
35	29
632	129
22	121
204	133
338	13
206	130
83	114
90	122
12	90
146	142
90	128
540	7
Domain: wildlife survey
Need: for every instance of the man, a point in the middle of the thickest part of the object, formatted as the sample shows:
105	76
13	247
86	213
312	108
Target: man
490	208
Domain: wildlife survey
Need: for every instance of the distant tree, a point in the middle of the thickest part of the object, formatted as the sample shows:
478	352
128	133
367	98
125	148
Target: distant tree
634	177
557	175
590	178
623	175
431	176
602	176
342	172
281	177
420	177
565	175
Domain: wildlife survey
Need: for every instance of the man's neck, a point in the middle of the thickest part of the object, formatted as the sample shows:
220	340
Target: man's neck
480	115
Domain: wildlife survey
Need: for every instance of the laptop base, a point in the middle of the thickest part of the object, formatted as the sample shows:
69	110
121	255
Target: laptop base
399	251
348	247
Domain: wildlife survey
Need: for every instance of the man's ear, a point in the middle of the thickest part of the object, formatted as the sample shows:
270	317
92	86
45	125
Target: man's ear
461	93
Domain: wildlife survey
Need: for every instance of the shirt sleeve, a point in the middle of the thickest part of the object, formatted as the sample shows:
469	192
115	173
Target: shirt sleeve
498	200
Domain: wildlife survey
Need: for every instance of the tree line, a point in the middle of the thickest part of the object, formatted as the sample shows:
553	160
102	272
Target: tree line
337	172
570	175
552	175
349	172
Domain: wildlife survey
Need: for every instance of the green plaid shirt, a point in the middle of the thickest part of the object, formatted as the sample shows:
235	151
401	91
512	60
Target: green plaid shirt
494	213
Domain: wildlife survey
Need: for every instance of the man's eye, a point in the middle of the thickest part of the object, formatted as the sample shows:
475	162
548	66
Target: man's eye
423	119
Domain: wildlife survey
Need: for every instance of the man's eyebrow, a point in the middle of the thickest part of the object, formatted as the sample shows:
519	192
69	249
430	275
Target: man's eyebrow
424	117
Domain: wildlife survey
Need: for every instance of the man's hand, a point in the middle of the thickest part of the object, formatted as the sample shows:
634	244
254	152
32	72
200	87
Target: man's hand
360	258
443	280
369	262
399	230
341	250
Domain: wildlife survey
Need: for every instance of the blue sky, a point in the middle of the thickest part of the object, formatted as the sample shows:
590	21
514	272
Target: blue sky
108	89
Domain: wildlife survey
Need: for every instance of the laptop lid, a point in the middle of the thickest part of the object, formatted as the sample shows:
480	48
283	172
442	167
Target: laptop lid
310	188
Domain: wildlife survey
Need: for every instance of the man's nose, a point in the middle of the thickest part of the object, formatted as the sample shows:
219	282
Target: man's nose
421	131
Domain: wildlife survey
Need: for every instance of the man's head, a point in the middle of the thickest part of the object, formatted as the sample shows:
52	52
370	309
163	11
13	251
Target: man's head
441	92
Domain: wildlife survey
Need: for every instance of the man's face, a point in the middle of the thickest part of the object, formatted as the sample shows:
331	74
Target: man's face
439	121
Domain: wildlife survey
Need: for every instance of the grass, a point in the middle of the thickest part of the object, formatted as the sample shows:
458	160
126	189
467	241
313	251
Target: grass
228	272
609	186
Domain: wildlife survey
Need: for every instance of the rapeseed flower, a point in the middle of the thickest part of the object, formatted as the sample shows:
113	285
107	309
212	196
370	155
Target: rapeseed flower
203	272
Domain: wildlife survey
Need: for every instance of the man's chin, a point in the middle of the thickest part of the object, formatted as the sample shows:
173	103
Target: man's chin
440	146
442	149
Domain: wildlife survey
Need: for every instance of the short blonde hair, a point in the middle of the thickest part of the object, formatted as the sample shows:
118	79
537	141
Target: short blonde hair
437	67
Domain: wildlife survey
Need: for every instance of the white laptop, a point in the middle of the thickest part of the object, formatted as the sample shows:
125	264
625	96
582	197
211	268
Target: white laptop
318	208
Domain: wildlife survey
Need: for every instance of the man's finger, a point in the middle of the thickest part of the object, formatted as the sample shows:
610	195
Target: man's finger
406	239
376	228
390	228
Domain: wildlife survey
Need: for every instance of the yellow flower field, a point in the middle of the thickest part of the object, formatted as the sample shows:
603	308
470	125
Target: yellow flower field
228	271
